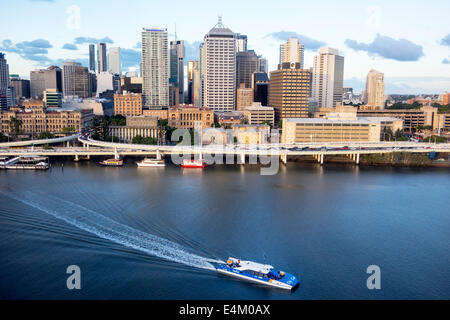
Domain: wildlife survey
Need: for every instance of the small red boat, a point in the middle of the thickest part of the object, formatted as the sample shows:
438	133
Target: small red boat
193	164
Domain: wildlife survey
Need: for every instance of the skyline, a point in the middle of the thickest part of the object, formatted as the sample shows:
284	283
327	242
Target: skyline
413	53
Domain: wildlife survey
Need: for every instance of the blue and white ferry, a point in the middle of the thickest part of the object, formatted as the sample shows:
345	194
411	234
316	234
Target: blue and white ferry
260	273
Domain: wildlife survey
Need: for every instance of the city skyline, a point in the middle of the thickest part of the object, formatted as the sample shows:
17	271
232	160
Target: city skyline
413	55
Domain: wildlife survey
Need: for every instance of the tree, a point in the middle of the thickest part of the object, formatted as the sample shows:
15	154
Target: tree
3	138
14	126
267	123
67	130
142	140
437	139
45	135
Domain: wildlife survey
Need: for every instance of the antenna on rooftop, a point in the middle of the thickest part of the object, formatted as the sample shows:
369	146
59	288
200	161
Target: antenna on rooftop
219	23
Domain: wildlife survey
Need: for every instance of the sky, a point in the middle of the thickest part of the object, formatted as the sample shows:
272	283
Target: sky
409	41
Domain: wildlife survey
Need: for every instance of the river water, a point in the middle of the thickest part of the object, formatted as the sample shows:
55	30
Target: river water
156	233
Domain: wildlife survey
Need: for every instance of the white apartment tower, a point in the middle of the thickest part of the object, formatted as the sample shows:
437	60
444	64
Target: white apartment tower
219	68
292	51
114	61
155	67
328	78
375	89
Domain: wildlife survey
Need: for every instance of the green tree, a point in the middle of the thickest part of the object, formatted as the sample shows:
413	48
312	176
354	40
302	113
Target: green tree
14	126
437	139
141	140
46	135
67	130
3	138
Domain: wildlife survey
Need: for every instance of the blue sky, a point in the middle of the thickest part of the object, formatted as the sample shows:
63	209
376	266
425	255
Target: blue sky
407	40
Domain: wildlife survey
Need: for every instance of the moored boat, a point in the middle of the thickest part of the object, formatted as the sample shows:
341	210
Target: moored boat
188	163
112	163
151	163
260	273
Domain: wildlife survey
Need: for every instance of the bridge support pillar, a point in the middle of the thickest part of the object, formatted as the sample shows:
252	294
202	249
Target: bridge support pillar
116	156
321	159
357	158
242	158
284	158
77	158
158	155
68	144
88	157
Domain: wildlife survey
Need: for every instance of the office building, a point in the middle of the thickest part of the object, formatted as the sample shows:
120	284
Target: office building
374	93
92	58
128	104
76	80
246	65
292	52
185	117
241	43
155	67
244	97
101	57
21	88
4	75
328	78
258	114
131	84
177	53
43	79
115	61
219	68
52	98
289	91
263	65
260	85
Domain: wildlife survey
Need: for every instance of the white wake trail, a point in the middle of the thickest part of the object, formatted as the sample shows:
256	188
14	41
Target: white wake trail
106	228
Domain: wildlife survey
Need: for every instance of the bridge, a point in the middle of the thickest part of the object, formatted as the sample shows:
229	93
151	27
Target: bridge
91	147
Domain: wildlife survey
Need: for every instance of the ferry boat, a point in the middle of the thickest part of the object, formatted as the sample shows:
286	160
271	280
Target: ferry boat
151	163
260	273
112	163
187	163
26	163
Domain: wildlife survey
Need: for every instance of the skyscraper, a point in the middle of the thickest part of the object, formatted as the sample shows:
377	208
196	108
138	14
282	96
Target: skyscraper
43	79
92	57
241	42
375	89
260	88
76	80
193	74
101	57
21	88
219	69
4	83
177	67
289	91
292	51
328	78
263	65
246	65
114	61
155	67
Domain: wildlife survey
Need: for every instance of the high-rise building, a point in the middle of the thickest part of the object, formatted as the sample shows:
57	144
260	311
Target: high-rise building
289	91
76	80
177	67
244	97
101	57
155	67
260	85
328	78
192	87
219	69
375	89
4	82
92	57
43	79
292	52
246	65
201	67
241	42
21	88
114	61
263	65
52	98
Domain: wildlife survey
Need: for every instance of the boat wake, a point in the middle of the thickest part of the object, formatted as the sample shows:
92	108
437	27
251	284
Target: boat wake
106	228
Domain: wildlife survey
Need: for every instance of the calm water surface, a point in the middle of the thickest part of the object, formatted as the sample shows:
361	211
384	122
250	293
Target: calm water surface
324	224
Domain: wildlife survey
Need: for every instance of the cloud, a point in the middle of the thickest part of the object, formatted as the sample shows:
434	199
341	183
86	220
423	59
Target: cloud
35	50
389	48
84	40
69	46
446	40
130	58
310	44
446	61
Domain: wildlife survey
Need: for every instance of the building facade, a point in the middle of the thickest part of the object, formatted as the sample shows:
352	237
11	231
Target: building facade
328	78
21	88
292	52
76	80
102	64
155	67
219	73
374	93
43	79
244	97
289	91
92	58
258	114
185	116
177	53
260	85
115	61
246	65
128	104
146	127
